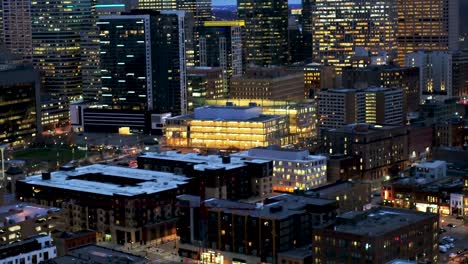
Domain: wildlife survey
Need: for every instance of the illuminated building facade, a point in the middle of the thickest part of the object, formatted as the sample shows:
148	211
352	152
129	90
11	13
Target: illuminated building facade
341	27
405	78
204	83
378	147
318	77
302	116
426	25
65	48
435	73
17	28
221	46
266	31
157	4
19	108
199	9
273	83
142	61
338	107
292	169
227	128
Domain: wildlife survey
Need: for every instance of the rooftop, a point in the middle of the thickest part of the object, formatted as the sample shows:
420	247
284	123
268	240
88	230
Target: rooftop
228	113
17	213
363	128
277	153
379	221
277	207
97	255
202	162
431	164
109	180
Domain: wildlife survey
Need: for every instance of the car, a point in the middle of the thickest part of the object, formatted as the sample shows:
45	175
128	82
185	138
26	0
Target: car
442	230
448	239
459	217
452	225
442	249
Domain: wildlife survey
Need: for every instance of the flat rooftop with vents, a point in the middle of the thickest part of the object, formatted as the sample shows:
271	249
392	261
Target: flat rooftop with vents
379	221
108	180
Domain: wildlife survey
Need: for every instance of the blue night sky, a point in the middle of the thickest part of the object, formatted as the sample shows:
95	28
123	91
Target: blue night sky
233	2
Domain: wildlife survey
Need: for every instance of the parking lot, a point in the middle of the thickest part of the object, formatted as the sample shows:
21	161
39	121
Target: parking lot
460	234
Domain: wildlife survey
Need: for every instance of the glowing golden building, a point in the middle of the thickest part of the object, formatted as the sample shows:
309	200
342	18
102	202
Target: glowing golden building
341	26
227	128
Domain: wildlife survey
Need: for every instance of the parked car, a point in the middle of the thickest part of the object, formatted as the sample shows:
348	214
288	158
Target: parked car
442	249
448	239
452	225
442	230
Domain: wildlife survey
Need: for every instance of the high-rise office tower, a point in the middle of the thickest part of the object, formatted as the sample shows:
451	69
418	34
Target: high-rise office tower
143	62
426	25
342	27
435	73
157	4
460	73
197	12
220	45
17	27
65	47
199	9
266	31
307	28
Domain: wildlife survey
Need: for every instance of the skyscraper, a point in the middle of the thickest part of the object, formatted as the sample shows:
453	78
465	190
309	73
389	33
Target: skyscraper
199	9
341	27
220	45
65	47
17	27
426	25
143	62
157	4
266	31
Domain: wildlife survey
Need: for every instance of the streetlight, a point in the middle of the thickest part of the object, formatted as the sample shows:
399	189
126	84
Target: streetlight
2	150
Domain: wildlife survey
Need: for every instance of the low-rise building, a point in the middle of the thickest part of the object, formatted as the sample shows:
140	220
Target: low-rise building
66	241
97	255
350	195
436	169
21	221
426	193
123	205
380	149
302	115
378	236
33	250
223	177
248	233
227	127
292	169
